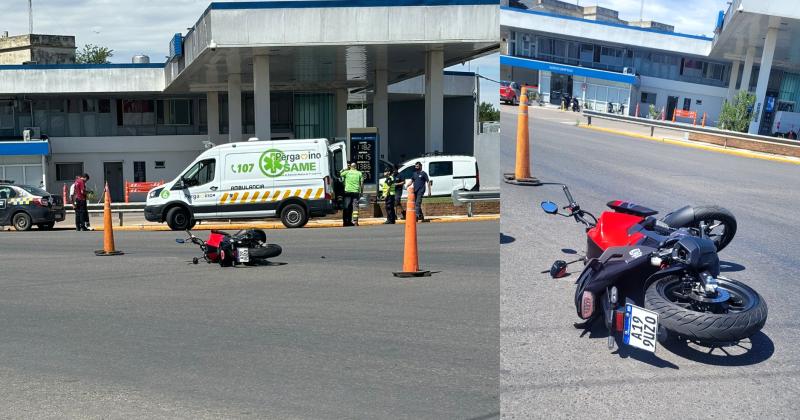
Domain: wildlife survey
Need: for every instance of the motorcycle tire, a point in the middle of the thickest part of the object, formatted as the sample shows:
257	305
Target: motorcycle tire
712	214
707	327
266	251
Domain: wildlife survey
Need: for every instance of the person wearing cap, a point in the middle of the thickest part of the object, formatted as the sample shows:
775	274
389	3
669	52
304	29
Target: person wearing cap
353	185
388	194
421	184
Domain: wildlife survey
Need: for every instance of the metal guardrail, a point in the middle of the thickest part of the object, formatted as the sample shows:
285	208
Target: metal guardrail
461	197
118	208
685	127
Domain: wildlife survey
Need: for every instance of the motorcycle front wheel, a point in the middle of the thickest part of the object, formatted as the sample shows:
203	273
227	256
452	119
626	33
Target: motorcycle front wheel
743	314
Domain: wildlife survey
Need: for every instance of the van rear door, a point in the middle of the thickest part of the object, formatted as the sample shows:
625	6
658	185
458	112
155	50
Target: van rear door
337	162
465	174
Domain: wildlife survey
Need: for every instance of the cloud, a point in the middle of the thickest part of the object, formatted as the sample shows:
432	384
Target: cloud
694	17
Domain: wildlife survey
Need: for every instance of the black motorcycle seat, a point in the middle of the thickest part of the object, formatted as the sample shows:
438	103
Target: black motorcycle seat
630	208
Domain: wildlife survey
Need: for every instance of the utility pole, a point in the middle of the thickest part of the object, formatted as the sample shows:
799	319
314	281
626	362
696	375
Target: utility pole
30	16
641	12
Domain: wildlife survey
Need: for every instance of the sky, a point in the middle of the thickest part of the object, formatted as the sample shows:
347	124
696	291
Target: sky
145	26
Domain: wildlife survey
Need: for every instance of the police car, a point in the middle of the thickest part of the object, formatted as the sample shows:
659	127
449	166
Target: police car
23	206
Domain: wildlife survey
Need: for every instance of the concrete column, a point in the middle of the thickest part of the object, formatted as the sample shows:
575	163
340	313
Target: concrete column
261	97
212	115
434	101
763	78
732	84
380	110
234	107
748	69
341	113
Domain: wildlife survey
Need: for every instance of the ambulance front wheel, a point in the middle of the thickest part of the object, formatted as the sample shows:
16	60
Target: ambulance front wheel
178	219
294	216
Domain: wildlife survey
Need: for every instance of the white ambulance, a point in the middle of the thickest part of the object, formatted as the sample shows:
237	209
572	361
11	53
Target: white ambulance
290	179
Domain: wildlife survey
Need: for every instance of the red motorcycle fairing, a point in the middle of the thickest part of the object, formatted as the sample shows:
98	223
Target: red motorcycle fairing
612	230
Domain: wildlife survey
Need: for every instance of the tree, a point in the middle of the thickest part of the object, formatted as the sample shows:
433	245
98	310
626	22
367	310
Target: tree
487	112
93	54
736	116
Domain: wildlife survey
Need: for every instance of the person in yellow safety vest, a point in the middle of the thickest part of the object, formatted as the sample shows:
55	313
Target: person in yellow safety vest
353	185
387	192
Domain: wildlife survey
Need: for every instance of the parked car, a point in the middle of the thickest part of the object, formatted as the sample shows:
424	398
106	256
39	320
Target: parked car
446	172
509	92
23	206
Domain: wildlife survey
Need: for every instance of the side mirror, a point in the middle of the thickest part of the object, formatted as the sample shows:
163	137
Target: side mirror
180	241
549	207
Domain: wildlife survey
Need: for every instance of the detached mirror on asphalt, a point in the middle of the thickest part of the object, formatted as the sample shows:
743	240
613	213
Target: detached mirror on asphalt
549	207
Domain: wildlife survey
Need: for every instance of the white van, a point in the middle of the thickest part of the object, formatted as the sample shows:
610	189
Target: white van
290	179
446	172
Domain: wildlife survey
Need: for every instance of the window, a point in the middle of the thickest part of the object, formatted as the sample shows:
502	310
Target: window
201	173
7	115
104	106
135	112
7	192
687	103
139	172
68	171
648	98
160	164
90	105
441	168
175	112
407	172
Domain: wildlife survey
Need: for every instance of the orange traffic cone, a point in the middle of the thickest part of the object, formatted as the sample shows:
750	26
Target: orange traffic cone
108	228
522	169
410	258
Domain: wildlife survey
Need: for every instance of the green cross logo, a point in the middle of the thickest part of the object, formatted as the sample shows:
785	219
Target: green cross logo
271	164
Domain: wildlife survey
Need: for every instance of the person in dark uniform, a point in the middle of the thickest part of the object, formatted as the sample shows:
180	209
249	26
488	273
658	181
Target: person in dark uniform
388	193
399	184
421	184
81	211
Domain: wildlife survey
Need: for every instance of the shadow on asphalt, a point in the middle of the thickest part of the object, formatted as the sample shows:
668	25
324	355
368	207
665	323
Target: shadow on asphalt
599	330
751	351
486	416
730	267
505	239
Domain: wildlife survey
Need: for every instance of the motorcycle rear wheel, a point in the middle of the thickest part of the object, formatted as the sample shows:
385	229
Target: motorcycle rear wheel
746	315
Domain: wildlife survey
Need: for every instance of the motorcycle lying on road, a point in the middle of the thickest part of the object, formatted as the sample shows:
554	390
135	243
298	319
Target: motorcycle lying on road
653	280
246	247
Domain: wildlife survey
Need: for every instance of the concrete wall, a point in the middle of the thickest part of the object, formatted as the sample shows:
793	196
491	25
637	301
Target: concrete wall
487	152
44	49
711	97
407	128
783	8
604	33
176	151
125	78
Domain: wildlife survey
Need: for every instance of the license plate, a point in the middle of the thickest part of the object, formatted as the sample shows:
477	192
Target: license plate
244	255
641	328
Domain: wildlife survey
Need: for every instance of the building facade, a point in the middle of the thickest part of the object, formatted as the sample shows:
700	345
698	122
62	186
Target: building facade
229	79
611	64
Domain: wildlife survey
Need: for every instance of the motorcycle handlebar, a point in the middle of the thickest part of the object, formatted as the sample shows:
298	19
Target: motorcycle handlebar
569	196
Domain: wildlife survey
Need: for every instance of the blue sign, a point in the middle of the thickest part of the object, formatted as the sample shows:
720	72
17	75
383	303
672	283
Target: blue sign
24	148
720	20
176	46
508	60
770	104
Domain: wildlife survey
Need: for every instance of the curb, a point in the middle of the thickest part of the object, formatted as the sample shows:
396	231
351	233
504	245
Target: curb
312	224
698	145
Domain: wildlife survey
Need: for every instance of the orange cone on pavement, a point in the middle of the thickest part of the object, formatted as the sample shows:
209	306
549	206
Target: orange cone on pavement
410	257
108	228
522	169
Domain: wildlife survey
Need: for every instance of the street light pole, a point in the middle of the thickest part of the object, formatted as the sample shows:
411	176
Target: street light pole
30	17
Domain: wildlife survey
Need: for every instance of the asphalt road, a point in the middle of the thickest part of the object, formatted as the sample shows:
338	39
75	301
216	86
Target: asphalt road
330	334
548	370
